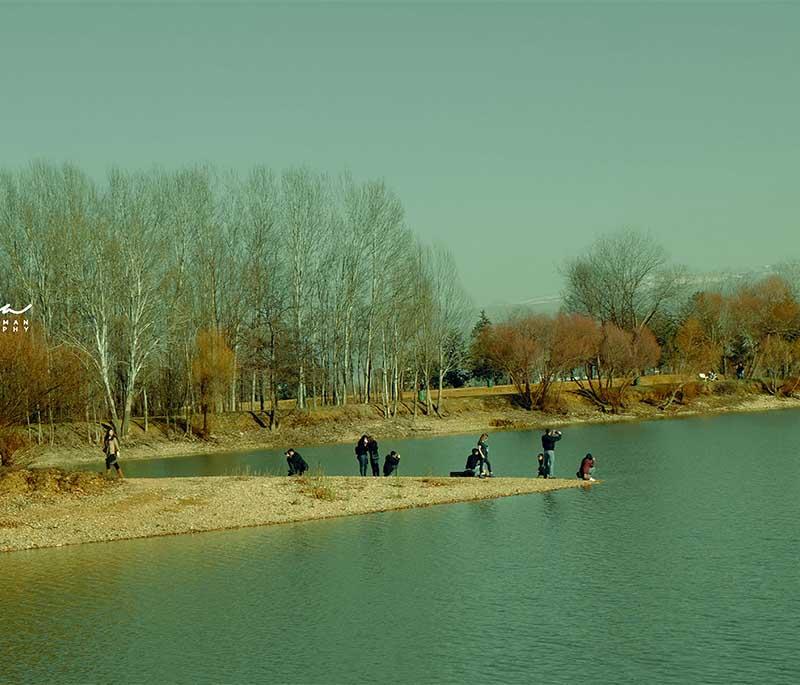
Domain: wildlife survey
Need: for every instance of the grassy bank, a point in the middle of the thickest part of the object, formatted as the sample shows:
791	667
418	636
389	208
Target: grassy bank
139	508
471	410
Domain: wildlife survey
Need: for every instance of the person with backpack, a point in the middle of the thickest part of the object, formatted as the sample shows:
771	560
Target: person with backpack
374	457
391	463
586	468
549	440
297	465
362	453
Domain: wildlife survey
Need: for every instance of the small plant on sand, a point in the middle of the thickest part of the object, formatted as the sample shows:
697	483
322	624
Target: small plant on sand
317	486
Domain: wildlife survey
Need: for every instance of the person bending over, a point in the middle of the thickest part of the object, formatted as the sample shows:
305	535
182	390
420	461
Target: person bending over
390	463
586	469
473	463
297	465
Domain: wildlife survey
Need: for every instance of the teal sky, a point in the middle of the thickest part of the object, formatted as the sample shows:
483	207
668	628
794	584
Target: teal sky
514	133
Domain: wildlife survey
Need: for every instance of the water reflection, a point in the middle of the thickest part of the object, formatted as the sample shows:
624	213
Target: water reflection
681	567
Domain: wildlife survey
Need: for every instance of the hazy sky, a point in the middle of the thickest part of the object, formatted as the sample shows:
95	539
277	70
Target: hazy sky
513	133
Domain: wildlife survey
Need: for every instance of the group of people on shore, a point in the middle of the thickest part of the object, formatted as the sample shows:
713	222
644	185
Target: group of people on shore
367	454
478	464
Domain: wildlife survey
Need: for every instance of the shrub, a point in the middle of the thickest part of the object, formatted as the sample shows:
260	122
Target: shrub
501	423
692	391
725	388
12	445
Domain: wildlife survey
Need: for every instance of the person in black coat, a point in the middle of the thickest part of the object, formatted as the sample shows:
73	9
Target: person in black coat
297	465
362	454
473	462
374	457
549	440
391	463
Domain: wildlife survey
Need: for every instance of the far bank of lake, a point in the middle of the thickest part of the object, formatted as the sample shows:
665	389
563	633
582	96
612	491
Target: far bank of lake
471	415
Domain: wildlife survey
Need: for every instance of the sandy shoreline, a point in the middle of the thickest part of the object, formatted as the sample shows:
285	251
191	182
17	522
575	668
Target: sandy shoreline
142	507
400	428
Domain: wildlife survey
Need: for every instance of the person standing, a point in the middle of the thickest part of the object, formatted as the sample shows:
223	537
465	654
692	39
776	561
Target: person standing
549	440
111	450
362	454
483	448
374	457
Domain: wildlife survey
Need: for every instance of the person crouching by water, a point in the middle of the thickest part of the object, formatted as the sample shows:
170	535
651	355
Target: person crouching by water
297	465
111	450
390	463
542	472
362	453
549	440
473	463
586	469
483	448
374	457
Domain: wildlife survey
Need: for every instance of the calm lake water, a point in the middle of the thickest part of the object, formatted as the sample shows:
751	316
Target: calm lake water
682	567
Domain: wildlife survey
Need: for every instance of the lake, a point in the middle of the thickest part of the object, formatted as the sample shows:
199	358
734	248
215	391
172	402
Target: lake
681	567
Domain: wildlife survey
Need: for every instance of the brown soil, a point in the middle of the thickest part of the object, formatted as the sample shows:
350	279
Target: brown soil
51	481
153	507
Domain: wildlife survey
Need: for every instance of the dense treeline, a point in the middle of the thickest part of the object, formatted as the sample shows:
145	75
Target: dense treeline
626	311
166	293
174	293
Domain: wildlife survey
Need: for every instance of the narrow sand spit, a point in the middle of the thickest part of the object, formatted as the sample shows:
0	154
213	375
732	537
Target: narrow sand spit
144	507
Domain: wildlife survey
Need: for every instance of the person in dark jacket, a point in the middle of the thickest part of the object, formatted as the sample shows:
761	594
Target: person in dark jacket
374	457
586	468
362	454
549	440
297	465
390	463
473	463
542	472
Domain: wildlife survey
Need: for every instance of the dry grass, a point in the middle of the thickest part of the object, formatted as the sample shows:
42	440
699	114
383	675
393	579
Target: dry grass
52	481
316	486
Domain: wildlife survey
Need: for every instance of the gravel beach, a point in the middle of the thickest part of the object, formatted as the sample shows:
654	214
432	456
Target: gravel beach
145	507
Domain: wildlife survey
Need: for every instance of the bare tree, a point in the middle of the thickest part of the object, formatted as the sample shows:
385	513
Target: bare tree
624	279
